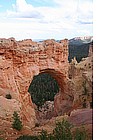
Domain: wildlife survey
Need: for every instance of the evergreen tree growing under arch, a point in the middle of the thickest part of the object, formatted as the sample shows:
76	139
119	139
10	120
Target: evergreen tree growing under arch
43	88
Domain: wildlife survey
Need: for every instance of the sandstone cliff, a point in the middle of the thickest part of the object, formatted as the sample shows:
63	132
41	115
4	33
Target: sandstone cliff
21	60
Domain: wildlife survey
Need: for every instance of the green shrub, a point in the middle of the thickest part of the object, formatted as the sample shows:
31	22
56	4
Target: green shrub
43	135
63	130
51	137
80	134
8	96
17	124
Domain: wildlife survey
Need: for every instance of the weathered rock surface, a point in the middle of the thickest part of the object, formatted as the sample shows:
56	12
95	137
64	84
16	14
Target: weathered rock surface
81	117
21	60
45	112
7	107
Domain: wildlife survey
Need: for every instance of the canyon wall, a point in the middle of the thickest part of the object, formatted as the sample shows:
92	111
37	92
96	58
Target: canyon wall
21	60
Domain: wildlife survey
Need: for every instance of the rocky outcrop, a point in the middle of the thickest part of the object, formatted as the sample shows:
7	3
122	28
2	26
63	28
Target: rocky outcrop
81	74
21	60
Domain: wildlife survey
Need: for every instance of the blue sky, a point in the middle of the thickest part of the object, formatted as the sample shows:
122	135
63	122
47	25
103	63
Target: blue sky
43	19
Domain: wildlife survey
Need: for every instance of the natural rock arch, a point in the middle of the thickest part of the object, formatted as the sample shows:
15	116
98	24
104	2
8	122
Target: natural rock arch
58	76
21	60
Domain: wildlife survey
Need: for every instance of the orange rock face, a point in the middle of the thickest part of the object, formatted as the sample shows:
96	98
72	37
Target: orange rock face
21	60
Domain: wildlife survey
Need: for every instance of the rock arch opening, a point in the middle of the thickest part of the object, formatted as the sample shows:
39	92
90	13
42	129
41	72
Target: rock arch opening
43	89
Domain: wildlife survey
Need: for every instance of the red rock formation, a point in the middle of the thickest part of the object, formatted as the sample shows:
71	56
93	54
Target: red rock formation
21	60
81	117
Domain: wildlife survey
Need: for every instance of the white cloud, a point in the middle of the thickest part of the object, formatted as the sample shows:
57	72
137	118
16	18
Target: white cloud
22	6
79	10
71	10
23	10
69	19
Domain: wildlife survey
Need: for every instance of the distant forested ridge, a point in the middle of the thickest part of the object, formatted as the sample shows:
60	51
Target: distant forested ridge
79	48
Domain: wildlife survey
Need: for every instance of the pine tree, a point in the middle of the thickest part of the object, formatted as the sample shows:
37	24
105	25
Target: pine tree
43	88
17	124
63	130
